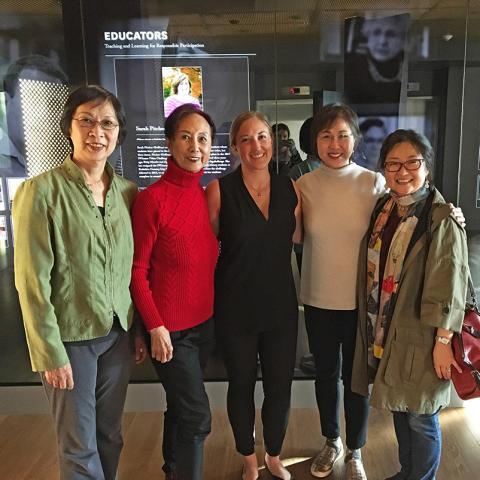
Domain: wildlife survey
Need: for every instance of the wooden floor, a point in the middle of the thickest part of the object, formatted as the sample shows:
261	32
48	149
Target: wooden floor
27	447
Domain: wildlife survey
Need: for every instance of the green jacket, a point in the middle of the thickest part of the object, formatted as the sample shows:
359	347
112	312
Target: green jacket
431	294
72	266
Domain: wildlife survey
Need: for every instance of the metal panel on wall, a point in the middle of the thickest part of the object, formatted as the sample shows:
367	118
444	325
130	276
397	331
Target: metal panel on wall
42	105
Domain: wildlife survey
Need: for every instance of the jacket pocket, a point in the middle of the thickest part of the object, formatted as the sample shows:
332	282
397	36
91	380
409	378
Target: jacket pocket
400	364
407	364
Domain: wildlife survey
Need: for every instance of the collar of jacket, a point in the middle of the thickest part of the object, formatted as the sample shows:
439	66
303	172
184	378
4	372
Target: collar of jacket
74	172
440	209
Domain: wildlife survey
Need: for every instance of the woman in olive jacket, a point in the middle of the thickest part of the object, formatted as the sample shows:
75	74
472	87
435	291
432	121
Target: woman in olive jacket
412	286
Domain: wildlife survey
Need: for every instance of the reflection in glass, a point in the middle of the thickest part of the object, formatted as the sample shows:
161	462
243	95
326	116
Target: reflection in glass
3	232
2	199
12	186
374	131
374	58
45	145
250	53
30	97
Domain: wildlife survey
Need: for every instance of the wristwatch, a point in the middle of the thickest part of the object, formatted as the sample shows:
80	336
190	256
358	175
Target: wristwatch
444	340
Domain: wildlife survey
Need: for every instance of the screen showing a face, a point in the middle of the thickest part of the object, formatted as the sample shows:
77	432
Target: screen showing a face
181	85
374	130
216	84
375	66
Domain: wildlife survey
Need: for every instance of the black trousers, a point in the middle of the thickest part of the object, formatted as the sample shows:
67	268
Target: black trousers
331	336
187	418
276	350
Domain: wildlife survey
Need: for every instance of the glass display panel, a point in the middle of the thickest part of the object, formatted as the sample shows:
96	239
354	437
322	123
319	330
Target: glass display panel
32	53
3	232
281	59
2	197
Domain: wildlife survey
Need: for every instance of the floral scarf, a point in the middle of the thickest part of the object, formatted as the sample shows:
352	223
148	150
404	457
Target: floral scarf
381	299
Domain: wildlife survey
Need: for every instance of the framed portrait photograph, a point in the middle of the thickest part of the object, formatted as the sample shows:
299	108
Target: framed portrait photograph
181	85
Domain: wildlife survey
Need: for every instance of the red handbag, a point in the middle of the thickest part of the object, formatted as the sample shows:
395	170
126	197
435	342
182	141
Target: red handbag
466	349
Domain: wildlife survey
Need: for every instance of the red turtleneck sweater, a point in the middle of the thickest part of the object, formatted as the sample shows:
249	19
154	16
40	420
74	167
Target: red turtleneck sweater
175	252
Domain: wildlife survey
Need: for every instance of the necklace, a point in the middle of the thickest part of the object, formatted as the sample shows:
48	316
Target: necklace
96	182
378	77
257	191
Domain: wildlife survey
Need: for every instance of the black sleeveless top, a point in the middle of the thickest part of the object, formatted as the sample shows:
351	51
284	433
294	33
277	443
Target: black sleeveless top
254	287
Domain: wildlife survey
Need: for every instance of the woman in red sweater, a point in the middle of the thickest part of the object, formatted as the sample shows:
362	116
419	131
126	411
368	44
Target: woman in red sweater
172	286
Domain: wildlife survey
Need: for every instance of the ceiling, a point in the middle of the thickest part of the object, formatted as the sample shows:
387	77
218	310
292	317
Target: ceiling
244	17
278	16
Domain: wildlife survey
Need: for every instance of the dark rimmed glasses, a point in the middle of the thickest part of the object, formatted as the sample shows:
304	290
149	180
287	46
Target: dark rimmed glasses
409	165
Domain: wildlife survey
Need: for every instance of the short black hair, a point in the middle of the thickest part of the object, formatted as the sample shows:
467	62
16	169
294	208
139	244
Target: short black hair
368	123
280	126
171	123
35	62
417	140
91	93
305	137
329	114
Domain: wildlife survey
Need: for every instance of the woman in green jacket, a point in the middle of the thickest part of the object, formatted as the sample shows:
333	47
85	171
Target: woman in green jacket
73	258
412	289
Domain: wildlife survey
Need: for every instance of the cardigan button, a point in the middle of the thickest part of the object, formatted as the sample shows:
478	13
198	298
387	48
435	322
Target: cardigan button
446	309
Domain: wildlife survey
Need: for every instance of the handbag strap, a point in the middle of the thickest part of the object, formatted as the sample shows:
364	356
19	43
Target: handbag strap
473	295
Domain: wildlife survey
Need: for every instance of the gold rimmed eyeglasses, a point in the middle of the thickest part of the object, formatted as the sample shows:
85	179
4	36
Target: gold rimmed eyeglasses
89	122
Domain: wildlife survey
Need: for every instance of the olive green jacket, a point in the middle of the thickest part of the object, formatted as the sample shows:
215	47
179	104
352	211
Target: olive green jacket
72	266
431	294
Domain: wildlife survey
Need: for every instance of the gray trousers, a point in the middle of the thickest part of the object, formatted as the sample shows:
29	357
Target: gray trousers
88	418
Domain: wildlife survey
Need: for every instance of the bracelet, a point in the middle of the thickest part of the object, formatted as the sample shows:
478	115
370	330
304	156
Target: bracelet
444	340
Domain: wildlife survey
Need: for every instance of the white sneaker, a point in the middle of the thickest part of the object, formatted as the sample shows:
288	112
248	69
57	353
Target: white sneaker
322	464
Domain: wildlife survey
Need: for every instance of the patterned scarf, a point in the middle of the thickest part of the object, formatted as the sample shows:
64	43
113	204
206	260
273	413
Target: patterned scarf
381	300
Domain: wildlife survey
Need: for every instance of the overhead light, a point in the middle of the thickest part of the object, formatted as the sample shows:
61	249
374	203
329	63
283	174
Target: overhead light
447	36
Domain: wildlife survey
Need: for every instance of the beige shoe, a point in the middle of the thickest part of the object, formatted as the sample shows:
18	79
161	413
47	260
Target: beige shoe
322	464
285	474
354	470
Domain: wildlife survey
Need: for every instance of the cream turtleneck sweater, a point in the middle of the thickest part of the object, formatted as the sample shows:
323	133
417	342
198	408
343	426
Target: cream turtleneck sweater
336	205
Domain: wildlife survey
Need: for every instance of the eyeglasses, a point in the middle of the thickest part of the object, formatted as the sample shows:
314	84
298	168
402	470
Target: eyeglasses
409	165
328	137
89	122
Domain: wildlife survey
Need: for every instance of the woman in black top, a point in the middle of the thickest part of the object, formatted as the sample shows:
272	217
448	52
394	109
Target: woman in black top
256	216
